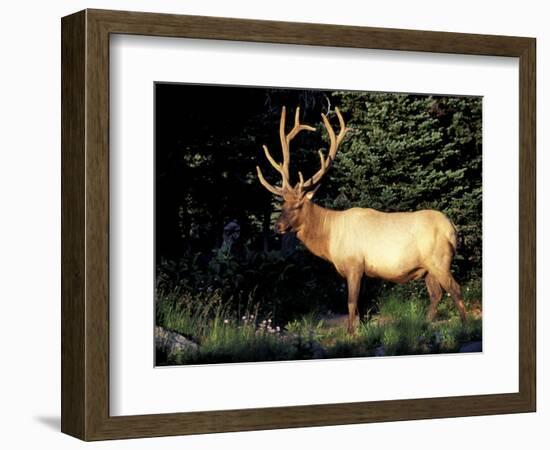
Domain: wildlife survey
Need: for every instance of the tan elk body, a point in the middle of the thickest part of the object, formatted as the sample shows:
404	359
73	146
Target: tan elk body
398	246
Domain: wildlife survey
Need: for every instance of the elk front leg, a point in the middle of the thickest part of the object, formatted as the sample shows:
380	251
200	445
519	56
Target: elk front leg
354	286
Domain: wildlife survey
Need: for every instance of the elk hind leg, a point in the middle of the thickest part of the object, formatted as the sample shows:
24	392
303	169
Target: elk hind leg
435	292
448	283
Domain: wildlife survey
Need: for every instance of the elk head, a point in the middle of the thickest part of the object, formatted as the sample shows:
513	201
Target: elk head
296	196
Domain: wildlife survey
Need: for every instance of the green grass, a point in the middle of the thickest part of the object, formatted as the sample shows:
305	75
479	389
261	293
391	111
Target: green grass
397	328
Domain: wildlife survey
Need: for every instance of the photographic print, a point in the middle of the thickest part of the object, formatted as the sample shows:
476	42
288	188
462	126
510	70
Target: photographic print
300	224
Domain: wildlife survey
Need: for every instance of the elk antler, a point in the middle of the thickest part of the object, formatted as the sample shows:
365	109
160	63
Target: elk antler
335	142
283	168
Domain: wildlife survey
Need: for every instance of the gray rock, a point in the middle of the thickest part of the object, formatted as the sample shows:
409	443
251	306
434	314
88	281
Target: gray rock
471	347
171	342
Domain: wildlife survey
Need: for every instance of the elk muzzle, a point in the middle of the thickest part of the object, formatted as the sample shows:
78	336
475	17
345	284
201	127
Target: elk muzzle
281	225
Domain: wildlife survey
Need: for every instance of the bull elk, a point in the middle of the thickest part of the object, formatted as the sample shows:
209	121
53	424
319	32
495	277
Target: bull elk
396	246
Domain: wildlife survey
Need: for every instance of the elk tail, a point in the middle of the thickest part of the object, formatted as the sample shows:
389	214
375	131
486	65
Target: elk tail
456	239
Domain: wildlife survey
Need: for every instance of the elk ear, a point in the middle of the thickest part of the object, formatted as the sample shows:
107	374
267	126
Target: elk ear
309	195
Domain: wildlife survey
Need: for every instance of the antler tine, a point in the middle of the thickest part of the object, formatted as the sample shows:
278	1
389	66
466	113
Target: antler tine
322	158
335	140
298	126
274	190
286	138
299	186
278	167
285	149
334	144
325	165
343	128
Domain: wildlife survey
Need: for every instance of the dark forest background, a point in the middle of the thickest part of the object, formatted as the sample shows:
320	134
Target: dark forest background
214	221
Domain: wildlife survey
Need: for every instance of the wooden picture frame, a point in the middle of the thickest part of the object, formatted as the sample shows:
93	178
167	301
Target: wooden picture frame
85	224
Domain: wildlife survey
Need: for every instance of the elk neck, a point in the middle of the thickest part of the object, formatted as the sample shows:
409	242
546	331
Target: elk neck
314	228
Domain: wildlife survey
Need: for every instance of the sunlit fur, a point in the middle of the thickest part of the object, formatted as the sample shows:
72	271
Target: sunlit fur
398	246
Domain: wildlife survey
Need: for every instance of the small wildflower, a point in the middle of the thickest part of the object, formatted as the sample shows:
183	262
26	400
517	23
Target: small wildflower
244	317
226	321
278	328
251	316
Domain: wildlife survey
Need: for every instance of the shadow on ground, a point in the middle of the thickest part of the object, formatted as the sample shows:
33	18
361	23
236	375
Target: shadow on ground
52	422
